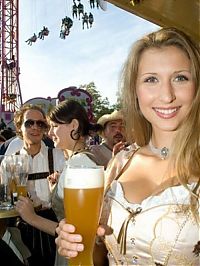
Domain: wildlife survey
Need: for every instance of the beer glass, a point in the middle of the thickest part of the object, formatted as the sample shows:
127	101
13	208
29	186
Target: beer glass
5	177
83	195
21	170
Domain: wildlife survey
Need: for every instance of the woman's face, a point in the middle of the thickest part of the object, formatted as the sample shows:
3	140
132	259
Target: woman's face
165	87
60	134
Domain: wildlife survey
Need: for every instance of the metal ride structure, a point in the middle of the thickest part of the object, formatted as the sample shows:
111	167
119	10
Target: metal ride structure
10	91
11	98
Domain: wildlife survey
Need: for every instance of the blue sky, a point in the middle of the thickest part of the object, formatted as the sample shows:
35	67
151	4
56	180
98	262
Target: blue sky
96	54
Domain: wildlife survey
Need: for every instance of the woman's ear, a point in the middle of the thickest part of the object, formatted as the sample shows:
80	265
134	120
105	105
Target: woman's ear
75	124
75	134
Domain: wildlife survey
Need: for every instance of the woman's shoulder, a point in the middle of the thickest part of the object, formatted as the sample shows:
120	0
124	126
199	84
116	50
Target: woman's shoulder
121	158
82	158
127	151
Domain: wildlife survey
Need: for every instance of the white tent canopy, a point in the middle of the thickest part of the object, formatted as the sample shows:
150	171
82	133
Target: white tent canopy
183	14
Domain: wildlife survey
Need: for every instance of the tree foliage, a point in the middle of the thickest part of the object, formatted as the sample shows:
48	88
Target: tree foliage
100	105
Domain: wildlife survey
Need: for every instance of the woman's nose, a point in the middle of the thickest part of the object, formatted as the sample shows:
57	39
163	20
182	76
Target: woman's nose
167	93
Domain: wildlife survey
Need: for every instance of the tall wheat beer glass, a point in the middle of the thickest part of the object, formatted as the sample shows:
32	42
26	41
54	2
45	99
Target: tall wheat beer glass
21	169
83	195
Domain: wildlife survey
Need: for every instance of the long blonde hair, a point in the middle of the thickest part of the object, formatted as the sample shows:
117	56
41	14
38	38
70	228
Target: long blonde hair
185	161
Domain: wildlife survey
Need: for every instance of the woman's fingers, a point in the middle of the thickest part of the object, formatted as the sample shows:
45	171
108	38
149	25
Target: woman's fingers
100	231
23	201
69	244
67	253
68	249
53	178
104	230
63	226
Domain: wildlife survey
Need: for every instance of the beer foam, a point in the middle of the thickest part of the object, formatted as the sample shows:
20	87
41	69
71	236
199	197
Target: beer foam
84	178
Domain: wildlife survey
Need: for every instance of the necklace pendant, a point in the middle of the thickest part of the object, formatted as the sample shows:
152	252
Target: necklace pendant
164	153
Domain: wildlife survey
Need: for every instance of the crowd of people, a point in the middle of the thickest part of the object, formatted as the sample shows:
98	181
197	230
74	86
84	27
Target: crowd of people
150	151
64	136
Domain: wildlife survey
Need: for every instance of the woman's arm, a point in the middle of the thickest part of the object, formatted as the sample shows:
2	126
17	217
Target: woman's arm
24	207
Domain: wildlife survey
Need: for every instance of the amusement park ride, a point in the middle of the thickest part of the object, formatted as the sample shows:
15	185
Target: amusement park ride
11	97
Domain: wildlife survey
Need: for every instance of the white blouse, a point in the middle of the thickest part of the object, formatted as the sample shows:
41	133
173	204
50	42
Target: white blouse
161	230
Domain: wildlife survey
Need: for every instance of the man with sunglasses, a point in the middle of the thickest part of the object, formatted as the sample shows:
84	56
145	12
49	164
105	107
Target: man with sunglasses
31	128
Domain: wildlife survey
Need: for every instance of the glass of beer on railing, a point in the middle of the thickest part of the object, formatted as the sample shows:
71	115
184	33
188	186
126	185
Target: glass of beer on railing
83	196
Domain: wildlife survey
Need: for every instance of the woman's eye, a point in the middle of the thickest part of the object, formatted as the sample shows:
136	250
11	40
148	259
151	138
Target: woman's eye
181	78
150	80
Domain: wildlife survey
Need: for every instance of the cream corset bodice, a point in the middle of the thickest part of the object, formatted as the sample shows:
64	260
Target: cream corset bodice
159	231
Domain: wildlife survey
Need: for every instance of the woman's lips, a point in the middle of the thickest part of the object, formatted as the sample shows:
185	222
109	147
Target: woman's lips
166	113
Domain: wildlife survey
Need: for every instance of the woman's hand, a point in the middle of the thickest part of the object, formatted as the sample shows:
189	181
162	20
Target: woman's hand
25	208
119	146
70	244
53	179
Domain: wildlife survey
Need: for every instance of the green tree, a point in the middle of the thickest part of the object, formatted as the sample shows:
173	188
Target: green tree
100	105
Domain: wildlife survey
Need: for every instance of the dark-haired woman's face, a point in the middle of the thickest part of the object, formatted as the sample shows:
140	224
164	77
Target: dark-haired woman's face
60	134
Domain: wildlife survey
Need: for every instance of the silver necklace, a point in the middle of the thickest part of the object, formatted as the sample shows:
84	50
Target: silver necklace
163	153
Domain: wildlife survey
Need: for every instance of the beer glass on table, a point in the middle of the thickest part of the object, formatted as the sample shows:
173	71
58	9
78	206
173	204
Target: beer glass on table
5	177
83	196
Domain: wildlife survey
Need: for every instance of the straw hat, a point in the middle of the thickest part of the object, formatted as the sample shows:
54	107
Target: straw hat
116	115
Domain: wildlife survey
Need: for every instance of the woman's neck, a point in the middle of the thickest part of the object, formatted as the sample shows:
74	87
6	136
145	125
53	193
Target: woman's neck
77	147
162	138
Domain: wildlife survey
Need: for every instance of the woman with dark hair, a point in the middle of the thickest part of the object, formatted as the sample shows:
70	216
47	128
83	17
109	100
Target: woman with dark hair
69	117
69	128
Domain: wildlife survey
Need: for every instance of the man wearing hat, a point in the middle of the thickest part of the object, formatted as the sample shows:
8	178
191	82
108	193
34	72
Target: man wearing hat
112	133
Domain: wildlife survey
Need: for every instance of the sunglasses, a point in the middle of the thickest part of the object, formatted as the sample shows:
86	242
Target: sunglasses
29	123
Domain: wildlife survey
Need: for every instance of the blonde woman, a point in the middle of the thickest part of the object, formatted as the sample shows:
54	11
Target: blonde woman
152	201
